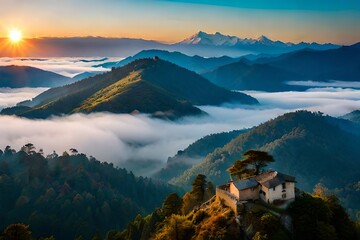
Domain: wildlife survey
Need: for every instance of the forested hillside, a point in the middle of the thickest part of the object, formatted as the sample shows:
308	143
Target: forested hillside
69	195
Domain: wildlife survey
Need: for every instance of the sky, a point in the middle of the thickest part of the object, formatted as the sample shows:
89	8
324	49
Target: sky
335	21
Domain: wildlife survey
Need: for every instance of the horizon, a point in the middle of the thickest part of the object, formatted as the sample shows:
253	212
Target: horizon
171	21
173	42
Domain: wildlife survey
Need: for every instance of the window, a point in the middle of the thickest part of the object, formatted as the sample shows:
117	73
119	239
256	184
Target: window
284	185
284	195
273	188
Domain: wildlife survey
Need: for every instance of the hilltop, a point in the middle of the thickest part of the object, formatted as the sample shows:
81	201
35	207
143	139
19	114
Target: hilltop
152	86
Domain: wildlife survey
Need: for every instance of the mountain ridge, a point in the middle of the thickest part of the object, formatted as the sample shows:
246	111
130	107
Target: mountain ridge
194	63
152	86
220	40
276	73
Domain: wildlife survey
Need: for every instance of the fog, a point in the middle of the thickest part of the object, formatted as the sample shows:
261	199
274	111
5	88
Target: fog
65	66
341	84
143	144
10	96
329	100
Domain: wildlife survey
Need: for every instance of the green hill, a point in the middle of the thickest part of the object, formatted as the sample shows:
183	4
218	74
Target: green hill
149	86
24	76
306	145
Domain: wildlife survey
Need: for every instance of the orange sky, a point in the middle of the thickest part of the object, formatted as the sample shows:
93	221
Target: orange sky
170	22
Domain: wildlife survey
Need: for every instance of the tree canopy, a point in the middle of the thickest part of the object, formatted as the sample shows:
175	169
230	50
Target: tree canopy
71	195
253	163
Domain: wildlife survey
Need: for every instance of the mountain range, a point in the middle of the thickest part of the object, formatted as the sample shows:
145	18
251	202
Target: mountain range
152	86
23	76
195	63
261	44
276	73
203	44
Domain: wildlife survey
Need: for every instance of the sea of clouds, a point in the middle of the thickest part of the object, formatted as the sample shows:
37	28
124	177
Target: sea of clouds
143	144
68	67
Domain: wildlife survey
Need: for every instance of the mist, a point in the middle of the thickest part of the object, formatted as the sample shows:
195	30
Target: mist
143	144
68	66
11	96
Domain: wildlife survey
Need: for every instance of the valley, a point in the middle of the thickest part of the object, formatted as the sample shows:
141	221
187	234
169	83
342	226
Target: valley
136	120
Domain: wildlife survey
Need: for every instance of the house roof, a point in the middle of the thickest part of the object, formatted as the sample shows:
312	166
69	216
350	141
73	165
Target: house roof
273	178
245	183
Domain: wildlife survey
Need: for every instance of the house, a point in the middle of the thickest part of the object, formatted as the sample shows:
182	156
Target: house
276	186
269	186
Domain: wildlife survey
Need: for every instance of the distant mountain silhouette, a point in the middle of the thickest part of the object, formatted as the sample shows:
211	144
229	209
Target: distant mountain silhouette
195	63
272	73
84	47
149	86
23	76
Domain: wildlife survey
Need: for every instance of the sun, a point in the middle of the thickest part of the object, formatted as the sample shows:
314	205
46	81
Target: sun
15	36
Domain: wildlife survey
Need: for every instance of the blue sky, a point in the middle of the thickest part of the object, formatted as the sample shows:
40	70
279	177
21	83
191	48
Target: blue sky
174	20
319	5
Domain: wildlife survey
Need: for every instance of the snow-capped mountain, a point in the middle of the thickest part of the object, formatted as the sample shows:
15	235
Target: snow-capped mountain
216	39
261	43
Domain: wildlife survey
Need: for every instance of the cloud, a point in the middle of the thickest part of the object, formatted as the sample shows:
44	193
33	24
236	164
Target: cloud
329	100
143	144
339	84
65	66
10	96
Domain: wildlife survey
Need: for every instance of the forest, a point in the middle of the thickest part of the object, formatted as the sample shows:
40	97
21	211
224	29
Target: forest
71	195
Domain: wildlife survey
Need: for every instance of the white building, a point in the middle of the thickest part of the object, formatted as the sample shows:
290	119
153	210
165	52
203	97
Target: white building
269	186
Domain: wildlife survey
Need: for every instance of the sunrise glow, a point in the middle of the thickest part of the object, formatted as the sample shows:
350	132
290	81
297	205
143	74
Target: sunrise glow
15	36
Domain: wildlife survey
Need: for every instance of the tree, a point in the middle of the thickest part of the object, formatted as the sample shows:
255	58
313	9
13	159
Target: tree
28	148
198	187
8	151
17	231
172	205
252	164
73	151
